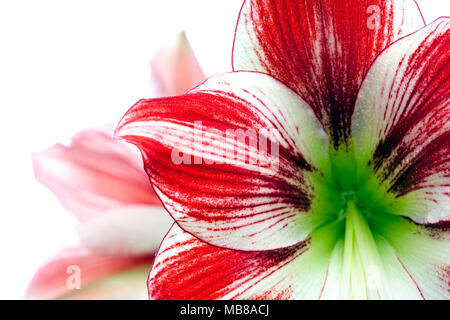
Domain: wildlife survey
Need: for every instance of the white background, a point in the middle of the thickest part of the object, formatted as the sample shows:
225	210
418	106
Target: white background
68	65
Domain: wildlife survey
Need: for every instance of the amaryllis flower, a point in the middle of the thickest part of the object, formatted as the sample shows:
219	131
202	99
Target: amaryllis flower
319	168
101	182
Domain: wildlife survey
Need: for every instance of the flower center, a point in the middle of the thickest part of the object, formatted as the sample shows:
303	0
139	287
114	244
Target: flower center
358	200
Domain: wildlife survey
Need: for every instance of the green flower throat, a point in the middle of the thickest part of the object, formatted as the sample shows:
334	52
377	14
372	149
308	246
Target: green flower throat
357	206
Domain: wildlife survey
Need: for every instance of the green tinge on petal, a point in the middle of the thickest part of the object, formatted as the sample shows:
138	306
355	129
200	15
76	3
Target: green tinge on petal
332	288
423	251
400	283
343	164
313	266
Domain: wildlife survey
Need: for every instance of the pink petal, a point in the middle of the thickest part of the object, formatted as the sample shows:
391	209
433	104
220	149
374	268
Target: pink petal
233	201
175	69
125	285
321	49
187	268
94	174
402	122
129	230
53	279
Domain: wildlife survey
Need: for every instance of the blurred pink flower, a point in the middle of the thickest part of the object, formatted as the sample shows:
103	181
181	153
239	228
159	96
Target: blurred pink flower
101	182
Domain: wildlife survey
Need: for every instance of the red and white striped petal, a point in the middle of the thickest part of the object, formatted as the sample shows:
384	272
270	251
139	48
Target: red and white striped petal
175	70
187	268
401	124
76	269
423	252
203	154
321	49
94	174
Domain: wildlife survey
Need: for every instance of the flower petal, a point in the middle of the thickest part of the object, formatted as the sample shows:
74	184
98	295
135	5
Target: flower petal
423	251
386	281
130	230
400	284
125	285
332	286
94	174
175	70
55	278
101	181
401	125
187	268
321	49
225	187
